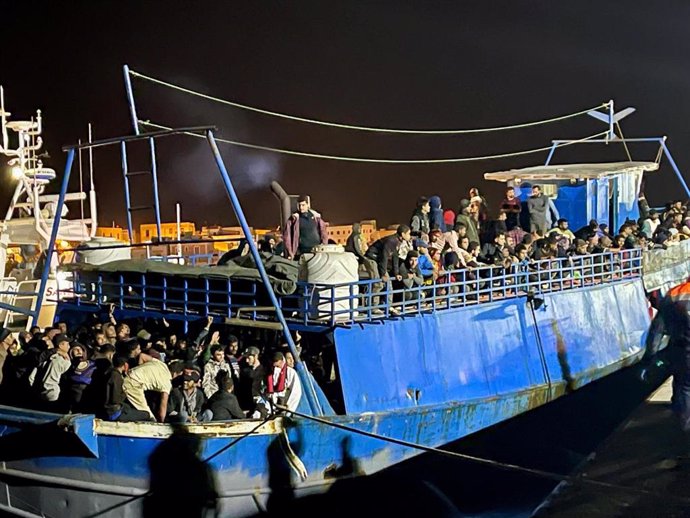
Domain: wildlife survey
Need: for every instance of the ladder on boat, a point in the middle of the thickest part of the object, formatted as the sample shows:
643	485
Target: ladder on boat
128	175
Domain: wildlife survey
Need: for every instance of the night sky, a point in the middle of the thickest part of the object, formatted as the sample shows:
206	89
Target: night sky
430	65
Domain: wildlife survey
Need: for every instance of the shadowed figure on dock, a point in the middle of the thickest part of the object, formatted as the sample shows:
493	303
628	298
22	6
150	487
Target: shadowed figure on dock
181	483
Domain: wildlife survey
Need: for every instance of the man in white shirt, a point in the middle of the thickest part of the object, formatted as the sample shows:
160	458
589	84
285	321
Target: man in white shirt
284	386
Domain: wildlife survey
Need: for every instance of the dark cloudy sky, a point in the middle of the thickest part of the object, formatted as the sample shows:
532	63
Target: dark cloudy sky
398	64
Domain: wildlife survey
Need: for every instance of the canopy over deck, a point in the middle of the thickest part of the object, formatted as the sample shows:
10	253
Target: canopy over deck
572	171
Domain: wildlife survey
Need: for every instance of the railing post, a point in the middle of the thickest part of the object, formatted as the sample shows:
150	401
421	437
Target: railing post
306	379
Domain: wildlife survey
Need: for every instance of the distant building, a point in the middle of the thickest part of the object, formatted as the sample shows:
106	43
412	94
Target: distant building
149	231
340	233
113	232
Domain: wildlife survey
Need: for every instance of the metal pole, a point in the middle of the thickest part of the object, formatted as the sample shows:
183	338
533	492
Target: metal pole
299	365
123	152
53	236
178	210
551	152
662	141
130	99
154	175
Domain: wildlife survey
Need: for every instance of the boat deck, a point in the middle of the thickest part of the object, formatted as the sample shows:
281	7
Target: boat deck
642	455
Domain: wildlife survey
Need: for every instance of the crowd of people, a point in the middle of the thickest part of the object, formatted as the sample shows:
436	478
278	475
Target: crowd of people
440	245
145	371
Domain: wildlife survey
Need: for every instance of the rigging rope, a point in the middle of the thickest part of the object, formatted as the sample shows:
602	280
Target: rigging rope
362	128
492	463
380	160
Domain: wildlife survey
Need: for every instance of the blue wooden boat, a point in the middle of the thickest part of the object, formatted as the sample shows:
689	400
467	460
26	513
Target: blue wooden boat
429	373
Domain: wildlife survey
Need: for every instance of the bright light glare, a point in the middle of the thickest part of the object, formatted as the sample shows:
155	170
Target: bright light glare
17	172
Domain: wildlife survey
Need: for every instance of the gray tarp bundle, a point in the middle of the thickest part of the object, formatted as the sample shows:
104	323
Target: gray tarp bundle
282	272
663	269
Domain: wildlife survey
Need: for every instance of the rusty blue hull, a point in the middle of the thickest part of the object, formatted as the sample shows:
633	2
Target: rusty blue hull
429	379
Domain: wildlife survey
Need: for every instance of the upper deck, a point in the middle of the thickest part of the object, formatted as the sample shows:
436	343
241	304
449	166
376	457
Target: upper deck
235	295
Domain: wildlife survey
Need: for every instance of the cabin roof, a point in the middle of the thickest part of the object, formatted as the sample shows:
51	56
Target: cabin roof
572	171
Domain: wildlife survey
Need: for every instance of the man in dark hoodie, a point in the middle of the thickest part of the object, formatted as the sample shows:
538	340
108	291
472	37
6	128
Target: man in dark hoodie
385	252
436	215
223	404
419	223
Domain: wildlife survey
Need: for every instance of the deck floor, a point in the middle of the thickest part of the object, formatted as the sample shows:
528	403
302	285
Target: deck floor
641	454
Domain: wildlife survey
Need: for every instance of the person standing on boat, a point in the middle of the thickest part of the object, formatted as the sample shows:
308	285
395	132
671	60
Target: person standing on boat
512	206
283	385
538	206
419	223
304	230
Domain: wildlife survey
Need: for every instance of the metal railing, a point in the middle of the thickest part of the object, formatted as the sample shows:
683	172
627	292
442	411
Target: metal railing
369	300
344	303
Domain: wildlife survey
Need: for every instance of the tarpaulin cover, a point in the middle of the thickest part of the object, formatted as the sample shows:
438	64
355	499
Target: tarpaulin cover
283	276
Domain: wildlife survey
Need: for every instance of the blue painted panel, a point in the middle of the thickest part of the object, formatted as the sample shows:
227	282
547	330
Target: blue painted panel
474	352
572	204
592	328
490	349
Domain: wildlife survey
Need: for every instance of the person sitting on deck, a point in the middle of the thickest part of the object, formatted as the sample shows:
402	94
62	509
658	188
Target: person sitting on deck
385	252
252	384
187	402
492	252
590	229
304	230
284	387
409	279
213	366
76	379
106	394
45	379
223	405
424	263
563	234
153	376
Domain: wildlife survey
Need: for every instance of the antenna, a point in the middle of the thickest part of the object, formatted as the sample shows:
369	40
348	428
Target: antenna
611	118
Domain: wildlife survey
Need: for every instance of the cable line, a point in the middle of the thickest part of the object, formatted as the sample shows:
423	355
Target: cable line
362	128
381	160
493	463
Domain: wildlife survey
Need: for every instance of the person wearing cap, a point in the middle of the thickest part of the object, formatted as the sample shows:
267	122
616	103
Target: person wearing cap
152	376
187	402
304	230
216	364
6	341
45	379
252	383
424	263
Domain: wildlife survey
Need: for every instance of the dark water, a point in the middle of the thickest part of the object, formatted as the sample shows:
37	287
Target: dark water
556	437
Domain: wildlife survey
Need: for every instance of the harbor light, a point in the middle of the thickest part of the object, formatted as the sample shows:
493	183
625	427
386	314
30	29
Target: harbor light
16	172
